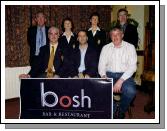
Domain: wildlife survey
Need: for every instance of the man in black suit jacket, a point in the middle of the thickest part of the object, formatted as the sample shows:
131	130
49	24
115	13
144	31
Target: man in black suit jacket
34	37
96	36
129	30
41	67
84	58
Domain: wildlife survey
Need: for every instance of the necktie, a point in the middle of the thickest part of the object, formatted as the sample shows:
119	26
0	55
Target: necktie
123	28
50	64
41	37
39	42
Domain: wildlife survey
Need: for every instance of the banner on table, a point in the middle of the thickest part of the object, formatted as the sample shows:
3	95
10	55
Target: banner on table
66	98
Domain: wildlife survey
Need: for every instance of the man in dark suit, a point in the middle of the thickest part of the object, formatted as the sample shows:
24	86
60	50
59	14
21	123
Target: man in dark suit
37	37
84	58
96	36
129	30
50	60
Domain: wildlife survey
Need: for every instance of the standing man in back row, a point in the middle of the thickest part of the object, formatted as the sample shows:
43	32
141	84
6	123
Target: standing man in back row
37	37
129	30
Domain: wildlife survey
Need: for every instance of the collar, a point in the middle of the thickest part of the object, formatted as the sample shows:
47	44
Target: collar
124	24
55	45
84	48
64	34
122	44
96	29
43	27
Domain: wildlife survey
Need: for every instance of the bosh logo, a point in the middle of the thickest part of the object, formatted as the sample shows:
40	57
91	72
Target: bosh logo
75	101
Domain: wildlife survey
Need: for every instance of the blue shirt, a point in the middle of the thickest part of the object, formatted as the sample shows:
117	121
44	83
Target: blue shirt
40	39
82	60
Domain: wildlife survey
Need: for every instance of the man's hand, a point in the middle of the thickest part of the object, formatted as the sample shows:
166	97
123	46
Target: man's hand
75	77
87	76
56	76
80	75
104	76
24	76
117	86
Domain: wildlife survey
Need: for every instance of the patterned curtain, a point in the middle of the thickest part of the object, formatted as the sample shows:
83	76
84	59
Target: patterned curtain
16	24
18	18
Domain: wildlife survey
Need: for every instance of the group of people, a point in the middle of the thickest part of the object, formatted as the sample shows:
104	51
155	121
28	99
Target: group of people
86	54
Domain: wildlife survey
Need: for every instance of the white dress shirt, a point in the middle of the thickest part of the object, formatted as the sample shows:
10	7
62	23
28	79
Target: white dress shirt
40	39
94	31
121	59
82	60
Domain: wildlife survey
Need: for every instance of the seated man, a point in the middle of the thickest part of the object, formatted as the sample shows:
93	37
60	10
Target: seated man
84	58
118	60
50	59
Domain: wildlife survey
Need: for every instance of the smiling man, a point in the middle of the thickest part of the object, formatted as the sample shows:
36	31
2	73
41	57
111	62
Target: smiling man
50	61
118	60
84	58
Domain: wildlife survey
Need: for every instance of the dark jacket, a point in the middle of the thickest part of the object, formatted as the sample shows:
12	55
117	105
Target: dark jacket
131	35
31	37
91	62
41	64
72	42
97	41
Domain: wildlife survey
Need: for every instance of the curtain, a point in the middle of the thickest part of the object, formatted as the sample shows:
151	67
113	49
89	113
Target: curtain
19	17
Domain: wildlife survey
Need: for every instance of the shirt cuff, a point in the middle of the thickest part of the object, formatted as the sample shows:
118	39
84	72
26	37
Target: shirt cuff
124	76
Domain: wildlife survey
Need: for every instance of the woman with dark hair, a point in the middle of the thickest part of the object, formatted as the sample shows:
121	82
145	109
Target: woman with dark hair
96	36
68	37
68	41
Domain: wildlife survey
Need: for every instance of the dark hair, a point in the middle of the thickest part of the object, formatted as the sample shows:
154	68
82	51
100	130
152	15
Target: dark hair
95	14
82	31
67	19
115	28
122	9
40	12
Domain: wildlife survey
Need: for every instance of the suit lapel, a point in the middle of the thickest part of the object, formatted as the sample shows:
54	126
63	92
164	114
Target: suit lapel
65	40
71	40
57	53
90	33
78	57
97	33
86	56
48	53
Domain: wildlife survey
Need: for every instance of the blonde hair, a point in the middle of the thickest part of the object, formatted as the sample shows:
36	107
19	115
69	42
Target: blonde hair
53	28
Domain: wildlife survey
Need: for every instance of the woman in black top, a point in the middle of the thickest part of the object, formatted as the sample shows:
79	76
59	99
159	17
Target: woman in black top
68	37
96	36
